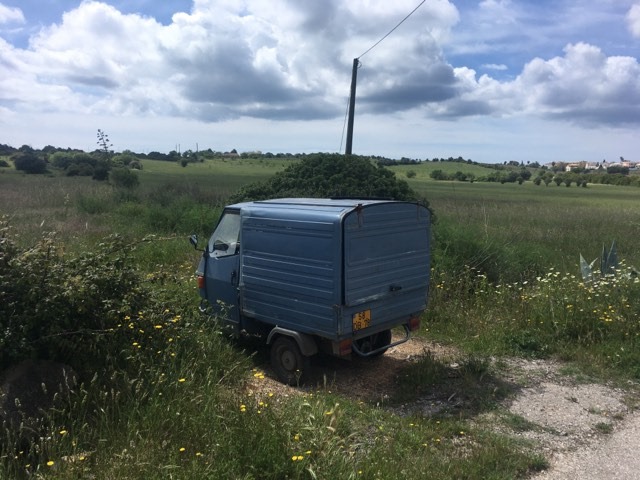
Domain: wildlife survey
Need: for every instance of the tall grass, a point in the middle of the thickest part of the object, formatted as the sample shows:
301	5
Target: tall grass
184	406
595	323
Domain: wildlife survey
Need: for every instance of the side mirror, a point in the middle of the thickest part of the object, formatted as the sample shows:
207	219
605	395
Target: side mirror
193	240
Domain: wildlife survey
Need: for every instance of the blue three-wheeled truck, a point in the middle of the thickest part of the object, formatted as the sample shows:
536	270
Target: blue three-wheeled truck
310	275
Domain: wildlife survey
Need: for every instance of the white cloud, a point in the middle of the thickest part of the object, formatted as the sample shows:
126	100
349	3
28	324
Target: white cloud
584	87
495	66
10	15
633	20
288	61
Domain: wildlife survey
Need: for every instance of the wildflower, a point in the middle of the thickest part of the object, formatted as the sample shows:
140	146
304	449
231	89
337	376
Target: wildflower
50	463
296	437
198	454
157	327
297	458
182	449
182	380
63	432
243	408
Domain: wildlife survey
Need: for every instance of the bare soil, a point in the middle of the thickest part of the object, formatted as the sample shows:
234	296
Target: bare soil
567	417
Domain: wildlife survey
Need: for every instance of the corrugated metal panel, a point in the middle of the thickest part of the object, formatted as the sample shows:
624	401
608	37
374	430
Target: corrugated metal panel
289	274
387	259
295	272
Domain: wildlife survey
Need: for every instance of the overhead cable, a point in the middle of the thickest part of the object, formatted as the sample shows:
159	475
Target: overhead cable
392	30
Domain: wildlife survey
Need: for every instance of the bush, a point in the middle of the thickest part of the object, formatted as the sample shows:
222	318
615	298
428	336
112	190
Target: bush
66	308
101	171
4	163
330	175
29	162
124	178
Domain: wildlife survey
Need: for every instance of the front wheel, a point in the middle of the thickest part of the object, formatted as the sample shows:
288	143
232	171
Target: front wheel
288	362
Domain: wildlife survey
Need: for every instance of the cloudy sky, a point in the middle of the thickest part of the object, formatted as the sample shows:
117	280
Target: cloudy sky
491	80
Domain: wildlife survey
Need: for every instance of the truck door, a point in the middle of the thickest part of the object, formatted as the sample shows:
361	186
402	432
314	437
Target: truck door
223	266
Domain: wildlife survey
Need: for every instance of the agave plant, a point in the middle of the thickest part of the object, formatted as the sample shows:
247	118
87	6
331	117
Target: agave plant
608	263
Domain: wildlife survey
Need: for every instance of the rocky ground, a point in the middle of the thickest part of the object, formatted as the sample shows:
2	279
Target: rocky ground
586	430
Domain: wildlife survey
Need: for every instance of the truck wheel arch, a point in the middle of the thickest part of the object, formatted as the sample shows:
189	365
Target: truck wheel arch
306	343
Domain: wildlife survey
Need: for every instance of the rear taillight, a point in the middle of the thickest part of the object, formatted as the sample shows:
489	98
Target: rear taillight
414	323
345	347
200	281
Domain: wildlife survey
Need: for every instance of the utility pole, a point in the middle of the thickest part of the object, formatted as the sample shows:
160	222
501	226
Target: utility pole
352	106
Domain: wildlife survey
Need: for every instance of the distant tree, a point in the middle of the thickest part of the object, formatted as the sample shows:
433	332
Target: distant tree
618	169
438	175
7	150
29	162
123	160
460	176
557	180
157	156
101	171
567	180
124	178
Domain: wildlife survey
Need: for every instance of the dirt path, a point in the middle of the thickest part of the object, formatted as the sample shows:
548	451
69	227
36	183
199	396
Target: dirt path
586	430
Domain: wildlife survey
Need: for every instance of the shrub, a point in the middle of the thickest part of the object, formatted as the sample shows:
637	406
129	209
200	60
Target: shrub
124	178
4	163
101	171
66	308
29	162
330	175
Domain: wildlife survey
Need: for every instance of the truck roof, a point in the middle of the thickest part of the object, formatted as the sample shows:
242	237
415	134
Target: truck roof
339	204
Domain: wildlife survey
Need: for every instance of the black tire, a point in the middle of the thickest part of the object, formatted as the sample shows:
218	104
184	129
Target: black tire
287	361
373	342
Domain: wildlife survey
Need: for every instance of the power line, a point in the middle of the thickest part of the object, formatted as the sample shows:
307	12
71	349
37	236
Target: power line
367	51
392	30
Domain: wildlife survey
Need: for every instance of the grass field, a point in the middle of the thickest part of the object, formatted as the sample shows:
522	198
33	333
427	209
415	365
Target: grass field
505	282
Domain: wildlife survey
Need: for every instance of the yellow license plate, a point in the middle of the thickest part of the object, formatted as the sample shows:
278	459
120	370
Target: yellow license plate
361	320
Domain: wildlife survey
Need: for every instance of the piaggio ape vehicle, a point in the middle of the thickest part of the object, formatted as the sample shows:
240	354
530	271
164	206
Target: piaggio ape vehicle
310	275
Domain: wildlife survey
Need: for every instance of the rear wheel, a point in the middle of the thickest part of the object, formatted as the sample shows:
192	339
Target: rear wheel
373	342
288	362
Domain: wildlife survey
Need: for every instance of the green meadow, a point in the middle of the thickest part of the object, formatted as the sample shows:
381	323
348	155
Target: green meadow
164	393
